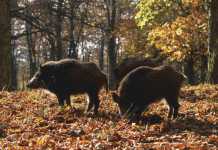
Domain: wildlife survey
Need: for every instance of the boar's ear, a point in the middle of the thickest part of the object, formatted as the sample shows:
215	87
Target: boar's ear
116	98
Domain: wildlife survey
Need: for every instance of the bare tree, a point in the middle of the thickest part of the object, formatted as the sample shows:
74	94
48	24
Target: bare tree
30	45
213	42
111	11
5	45
101	51
58	28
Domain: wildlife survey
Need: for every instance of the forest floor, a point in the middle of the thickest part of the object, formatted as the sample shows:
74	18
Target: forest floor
33	120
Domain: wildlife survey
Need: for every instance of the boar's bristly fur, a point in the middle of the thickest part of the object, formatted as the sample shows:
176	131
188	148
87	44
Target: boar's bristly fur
68	76
145	85
128	64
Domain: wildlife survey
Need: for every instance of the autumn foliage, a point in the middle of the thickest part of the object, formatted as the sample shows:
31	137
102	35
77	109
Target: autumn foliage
178	28
33	120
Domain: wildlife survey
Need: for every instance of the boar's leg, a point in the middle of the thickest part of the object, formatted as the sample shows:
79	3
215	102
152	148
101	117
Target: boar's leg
96	104
61	99
129	110
136	112
176	109
94	100
90	103
68	102
170	111
174	106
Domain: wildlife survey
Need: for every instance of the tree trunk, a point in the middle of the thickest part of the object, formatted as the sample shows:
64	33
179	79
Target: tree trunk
204	63
72	52
189	71
14	67
32	61
101	53
59	20
51	39
213	42
5	46
52	49
86	56
111	61
111	40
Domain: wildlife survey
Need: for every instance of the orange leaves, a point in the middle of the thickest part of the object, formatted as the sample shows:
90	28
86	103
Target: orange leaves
184	36
213	139
42	141
177	39
33	120
194	3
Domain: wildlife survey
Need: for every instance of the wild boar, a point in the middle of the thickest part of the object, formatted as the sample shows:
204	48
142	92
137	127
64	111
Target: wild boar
145	85
68	76
128	64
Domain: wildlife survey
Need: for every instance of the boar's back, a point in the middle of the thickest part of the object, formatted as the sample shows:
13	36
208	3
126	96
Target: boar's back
129	64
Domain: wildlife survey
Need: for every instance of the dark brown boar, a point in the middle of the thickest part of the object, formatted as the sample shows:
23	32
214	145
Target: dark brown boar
145	85
68	76
129	64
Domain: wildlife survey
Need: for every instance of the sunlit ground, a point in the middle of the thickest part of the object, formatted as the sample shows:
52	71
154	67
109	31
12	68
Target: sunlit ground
33	119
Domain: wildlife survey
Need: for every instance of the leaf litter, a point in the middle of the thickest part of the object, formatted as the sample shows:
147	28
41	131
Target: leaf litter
33	120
